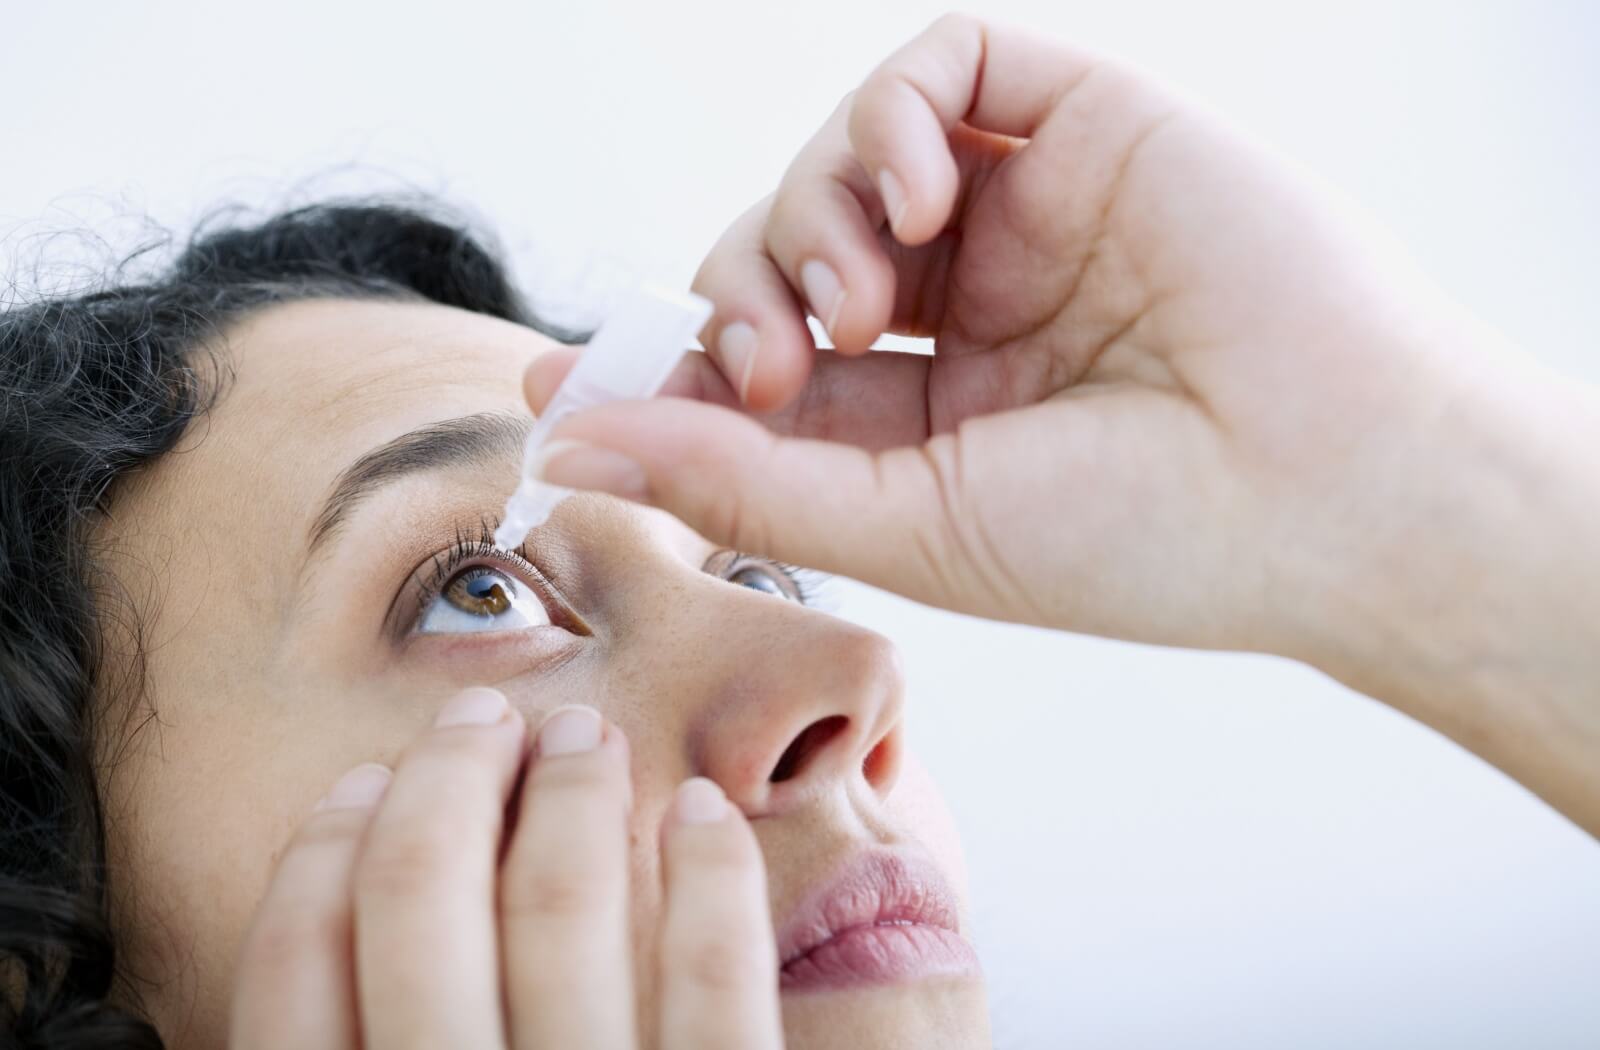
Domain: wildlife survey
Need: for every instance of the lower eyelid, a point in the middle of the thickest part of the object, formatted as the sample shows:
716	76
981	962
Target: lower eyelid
493	656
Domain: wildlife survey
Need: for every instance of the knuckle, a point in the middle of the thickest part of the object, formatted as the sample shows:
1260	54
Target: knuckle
753	227
958	550
930	551
569	856
557	894
866	107
869	96
328	829
281	941
728	261
735	512
726	517
938	58
793	213
724	850
716	268
953	36
719	964
943	535
464	773
456	746
586	772
954	23
410	862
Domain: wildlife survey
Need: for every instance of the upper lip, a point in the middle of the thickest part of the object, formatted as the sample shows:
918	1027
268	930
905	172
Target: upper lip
875	888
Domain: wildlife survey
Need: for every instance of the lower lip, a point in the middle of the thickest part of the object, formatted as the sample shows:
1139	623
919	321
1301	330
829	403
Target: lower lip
884	954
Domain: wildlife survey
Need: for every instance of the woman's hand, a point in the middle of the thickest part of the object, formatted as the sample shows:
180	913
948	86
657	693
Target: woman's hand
1179	394
394	921
1173	395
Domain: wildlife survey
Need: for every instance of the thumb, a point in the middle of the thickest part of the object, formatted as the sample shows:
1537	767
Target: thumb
878	516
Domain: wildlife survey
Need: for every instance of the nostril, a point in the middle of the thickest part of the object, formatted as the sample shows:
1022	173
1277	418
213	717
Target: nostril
878	764
814	738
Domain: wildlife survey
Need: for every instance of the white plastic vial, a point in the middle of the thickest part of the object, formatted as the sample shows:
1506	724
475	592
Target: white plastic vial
629	357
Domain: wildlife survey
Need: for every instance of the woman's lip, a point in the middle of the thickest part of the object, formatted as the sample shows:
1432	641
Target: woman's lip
885	919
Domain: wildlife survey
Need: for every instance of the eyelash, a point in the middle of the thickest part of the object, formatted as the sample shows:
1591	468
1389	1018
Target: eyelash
479	547
808	584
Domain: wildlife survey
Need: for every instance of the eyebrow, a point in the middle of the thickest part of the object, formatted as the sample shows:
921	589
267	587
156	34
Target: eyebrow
482	439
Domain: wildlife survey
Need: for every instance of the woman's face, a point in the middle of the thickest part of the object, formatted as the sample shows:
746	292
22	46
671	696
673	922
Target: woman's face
288	638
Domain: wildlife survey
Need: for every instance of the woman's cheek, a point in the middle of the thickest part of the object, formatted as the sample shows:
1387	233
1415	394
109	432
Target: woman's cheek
917	801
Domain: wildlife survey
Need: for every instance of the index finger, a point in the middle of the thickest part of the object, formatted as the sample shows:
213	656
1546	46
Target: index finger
719	955
564	904
426	940
875	402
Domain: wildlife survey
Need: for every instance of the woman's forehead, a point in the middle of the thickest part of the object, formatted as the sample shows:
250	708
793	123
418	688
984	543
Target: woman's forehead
347	361
316	385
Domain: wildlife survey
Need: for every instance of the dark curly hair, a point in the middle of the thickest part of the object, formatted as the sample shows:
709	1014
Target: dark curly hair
93	386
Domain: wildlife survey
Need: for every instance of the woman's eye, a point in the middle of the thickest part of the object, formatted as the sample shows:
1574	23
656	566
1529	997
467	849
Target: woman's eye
482	599
770	579
761	574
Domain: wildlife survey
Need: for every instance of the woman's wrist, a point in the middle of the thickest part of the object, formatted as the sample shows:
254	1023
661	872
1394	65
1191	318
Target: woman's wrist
1483	619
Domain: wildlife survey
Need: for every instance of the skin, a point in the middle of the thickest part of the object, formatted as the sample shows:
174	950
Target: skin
1180	393
234	897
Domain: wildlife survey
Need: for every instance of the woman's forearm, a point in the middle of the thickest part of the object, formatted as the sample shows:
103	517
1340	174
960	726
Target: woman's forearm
1488	623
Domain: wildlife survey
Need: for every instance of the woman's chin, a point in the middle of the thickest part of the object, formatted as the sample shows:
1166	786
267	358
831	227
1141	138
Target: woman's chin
931	1014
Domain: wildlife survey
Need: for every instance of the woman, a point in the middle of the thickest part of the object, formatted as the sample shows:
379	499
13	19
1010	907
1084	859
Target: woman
593	795
306	576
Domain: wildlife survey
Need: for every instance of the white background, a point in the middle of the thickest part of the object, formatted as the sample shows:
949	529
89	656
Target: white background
1167	849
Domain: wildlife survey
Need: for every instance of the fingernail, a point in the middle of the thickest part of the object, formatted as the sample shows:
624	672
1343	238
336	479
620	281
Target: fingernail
699	801
362	786
478	706
823	291
570	730
894	198
738	346
577	465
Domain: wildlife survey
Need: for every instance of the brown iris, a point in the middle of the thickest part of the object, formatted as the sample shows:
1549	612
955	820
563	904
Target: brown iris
480	591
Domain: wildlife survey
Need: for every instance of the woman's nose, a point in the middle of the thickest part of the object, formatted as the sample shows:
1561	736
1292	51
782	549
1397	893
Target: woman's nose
816	709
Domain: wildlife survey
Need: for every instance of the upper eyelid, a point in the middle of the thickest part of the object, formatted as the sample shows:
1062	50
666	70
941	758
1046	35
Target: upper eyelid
479	537
447	567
